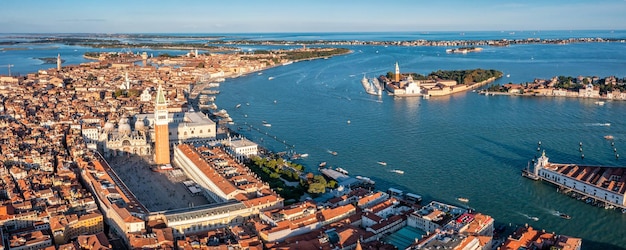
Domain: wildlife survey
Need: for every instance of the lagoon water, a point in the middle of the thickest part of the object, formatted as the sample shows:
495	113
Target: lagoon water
464	145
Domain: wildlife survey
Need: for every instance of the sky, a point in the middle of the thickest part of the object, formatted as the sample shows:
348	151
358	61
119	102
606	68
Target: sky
259	16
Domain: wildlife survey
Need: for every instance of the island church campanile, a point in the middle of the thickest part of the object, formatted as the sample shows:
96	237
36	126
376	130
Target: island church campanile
161	131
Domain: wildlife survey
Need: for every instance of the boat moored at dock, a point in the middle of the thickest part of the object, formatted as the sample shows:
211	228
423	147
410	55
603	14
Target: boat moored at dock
341	170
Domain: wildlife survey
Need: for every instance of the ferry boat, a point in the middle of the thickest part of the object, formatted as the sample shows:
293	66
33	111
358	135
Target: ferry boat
462	199
397	171
382	163
373	88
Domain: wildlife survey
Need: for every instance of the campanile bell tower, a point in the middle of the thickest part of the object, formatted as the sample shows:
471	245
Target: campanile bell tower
161	130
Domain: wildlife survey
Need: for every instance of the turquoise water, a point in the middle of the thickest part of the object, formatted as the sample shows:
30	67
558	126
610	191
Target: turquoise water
464	145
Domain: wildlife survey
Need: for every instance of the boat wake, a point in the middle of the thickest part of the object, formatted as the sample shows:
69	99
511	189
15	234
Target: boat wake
562	215
529	217
368	100
598	124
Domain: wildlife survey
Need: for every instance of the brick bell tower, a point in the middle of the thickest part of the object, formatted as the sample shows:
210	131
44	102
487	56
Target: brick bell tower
161	131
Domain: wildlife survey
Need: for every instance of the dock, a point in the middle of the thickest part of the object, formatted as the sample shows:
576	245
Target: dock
345	180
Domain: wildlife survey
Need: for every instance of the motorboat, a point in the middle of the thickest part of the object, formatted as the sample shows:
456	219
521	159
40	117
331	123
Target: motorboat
563	215
463	199
397	171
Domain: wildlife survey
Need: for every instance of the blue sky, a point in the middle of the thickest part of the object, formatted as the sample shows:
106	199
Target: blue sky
234	16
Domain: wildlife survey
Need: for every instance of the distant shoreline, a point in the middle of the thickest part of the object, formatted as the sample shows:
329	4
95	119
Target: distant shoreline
220	42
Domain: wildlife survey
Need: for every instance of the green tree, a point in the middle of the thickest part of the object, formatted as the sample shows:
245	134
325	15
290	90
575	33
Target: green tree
319	179
133	93
118	93
331	184
316	188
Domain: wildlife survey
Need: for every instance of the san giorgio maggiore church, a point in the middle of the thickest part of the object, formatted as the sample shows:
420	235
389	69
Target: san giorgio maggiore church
138	135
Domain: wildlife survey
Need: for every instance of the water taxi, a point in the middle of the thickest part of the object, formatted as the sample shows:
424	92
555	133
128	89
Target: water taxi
462	199
299	156
563	215
397	171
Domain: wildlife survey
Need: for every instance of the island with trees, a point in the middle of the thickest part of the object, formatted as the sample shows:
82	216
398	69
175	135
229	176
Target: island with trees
437	83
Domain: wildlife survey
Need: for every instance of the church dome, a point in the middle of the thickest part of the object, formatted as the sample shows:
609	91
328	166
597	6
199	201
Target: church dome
109	126
140	125
124	127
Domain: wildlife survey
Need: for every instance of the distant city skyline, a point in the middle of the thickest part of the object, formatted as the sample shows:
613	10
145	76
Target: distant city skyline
195	16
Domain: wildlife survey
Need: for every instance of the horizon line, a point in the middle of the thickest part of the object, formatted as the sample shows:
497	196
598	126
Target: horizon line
339	32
